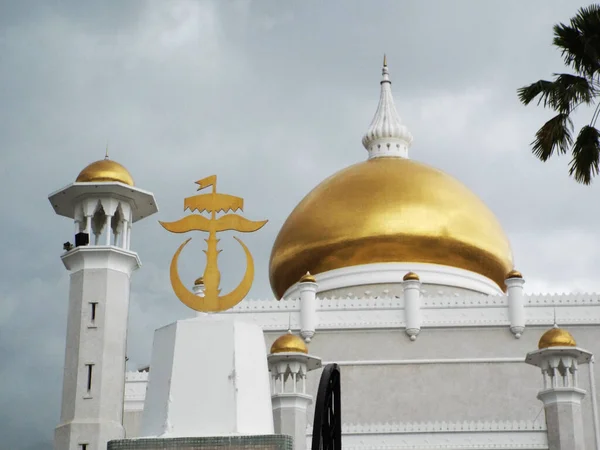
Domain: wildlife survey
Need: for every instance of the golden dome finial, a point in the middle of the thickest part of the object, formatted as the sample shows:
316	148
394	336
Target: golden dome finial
289	343
105	170
307	278
514	274
556	337
411	276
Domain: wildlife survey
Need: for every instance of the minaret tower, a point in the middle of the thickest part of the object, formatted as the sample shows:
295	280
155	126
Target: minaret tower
289	362
559	358
104	203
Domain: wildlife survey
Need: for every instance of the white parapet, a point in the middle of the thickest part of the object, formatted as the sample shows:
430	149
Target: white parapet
209	377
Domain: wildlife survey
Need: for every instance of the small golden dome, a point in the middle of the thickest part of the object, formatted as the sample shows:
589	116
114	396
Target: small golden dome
411	276
557	337
389	210
105	170
199	281
514	274
307	278
289	343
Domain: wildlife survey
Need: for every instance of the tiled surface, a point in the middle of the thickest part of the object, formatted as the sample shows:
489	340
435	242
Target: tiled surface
269	442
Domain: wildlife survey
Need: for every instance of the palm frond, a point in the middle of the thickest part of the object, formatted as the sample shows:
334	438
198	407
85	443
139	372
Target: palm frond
579	41
586	155
571	90
543	88
563	94
554	135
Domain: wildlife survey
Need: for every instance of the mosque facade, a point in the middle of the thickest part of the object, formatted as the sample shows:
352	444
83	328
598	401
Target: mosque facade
402	276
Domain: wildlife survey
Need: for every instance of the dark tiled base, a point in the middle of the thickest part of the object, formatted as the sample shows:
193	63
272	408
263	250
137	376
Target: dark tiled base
267	442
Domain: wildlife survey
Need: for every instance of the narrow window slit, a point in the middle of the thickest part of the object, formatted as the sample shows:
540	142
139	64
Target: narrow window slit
89	377
94	309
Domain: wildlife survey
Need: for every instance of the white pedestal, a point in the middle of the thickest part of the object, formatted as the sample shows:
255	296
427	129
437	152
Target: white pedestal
208	377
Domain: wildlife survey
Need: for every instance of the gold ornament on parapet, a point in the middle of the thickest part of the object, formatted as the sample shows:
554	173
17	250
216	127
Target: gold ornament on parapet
212	203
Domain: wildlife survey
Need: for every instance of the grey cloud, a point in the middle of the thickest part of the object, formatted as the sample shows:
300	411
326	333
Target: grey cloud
273	97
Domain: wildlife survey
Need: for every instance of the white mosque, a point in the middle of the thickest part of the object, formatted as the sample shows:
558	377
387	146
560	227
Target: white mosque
390	268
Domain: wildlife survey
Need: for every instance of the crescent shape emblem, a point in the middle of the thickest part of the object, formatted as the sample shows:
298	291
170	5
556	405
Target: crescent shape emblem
212	303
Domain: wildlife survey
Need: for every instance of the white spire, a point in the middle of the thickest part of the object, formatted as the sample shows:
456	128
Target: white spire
386	135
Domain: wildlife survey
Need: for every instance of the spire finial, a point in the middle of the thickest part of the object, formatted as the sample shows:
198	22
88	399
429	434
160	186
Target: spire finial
106	153
555	324
387	136
290	324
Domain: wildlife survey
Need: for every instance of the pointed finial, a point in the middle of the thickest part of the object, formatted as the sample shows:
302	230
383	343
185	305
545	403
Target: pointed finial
290	324
555	324
385	73
106	153
387	136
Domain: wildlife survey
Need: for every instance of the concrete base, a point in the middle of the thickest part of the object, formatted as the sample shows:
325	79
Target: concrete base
270	442
208	377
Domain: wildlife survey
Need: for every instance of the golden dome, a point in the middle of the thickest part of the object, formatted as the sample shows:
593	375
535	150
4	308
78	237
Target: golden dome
557	337
514	274
411	276
289	343
105	170
389	210
307	278
199	281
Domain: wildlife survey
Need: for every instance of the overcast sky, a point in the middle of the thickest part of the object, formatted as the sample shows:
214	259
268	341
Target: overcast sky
273	97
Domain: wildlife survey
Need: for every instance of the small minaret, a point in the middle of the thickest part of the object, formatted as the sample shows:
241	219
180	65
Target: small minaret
411	286
308	306
387	135
559	358
104	203
516	302
289	363
198	289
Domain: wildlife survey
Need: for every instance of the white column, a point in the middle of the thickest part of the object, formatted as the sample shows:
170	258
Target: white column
412	305
564	418
289	400
93	388
516	303
128	236
108	228
89	206
290	416
308	309
124	235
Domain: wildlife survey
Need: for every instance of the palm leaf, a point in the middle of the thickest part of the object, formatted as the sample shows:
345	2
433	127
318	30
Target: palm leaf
543	88
571	90
586	155
555	135
580	40
563	94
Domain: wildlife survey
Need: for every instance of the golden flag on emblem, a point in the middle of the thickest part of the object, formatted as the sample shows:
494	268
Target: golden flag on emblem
206	182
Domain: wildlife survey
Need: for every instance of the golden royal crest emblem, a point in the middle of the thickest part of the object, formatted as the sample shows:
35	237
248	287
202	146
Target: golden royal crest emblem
212	203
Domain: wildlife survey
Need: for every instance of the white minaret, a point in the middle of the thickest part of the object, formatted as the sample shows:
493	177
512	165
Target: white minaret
103	203
289	362
559	358
387	135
